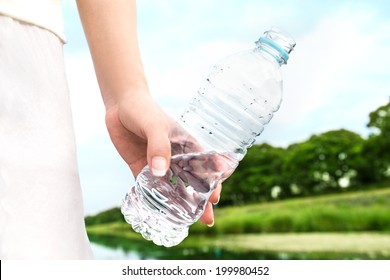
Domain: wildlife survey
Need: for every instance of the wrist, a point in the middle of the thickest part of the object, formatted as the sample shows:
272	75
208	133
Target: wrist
125	96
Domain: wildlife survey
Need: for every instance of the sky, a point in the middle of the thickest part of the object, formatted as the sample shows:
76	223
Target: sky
338	73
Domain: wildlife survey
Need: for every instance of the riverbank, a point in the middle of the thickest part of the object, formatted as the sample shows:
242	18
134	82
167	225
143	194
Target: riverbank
348	243
350	225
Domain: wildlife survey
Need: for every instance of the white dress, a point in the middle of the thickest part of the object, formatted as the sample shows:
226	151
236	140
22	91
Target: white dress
41	206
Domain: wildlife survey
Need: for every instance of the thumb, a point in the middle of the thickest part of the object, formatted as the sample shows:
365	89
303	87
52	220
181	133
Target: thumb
158	151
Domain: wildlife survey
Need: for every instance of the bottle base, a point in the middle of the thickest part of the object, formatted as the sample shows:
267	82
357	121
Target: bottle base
151	223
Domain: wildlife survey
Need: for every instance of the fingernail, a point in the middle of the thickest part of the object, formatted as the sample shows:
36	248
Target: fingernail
211	225
215	203
159	165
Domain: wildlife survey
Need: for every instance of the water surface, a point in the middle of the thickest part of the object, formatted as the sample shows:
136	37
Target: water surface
115	248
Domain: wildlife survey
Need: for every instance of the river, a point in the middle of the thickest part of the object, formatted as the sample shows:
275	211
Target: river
119	249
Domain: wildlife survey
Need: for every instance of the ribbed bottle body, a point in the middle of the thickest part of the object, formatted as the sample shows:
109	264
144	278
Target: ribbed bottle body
237	99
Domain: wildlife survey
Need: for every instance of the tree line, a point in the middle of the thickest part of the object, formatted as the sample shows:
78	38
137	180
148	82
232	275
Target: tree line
338	160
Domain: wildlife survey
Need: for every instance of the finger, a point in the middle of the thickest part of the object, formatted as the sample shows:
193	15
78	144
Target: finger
214	198
158	151
208	215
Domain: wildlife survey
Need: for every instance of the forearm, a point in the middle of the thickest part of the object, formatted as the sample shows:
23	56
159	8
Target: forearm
110	28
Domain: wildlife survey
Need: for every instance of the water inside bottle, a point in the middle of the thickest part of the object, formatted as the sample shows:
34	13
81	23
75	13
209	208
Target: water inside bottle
163	208
182	193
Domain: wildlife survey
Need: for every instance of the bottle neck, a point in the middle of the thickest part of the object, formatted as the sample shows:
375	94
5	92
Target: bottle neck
276	44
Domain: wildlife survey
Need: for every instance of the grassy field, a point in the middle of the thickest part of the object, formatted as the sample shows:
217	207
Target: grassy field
355	222
348	212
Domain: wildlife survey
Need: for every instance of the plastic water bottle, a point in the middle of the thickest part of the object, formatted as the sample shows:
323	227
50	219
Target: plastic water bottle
213	134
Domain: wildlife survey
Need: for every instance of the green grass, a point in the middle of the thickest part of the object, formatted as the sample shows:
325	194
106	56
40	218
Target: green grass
362	211
349	212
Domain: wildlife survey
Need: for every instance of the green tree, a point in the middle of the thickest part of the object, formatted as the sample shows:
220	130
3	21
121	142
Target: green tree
380	119
324	163
376	164
255	176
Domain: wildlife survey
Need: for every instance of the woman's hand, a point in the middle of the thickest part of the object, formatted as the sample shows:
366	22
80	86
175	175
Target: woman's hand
140	131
